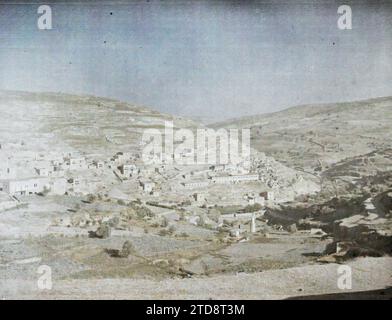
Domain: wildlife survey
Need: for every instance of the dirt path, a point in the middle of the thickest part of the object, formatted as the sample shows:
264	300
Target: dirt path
367	274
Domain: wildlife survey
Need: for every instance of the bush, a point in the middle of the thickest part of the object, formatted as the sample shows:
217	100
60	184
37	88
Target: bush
253	207
126	250
114	222
214	214
144	212
172	229
91	198
163	232
102	232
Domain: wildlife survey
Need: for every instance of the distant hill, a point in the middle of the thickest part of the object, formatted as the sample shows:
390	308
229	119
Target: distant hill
50	121
314	137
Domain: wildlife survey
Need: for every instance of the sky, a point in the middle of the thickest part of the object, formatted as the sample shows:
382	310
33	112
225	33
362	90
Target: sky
207	60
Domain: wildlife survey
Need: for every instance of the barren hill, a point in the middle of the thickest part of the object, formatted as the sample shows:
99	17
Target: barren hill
314	137
56	121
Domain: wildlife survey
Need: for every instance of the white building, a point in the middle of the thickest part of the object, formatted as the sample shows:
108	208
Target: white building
128	170
26	186
160	169
253	199
44	171
58	186
84	186
200	197
268	195
7	172
147	186
77	164
97	165
147	171
235	178
122	157
196	184
155	193
218	168
253	224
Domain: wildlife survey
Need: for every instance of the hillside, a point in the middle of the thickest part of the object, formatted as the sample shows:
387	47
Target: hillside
63	122
314	137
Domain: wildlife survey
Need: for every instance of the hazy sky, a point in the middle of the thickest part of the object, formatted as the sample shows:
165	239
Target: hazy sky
209	60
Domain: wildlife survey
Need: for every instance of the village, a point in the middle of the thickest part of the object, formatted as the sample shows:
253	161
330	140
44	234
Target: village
27	173
228	200
91	207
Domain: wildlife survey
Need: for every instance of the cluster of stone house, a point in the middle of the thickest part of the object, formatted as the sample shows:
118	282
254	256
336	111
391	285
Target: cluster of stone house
48	171
41	174
34	185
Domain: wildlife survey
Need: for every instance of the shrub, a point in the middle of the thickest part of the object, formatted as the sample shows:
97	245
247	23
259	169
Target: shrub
172	229
121	202
253	207
144	212
163	232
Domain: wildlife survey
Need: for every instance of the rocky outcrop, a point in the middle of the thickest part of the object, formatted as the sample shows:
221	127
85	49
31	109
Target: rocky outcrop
102	232
369	232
